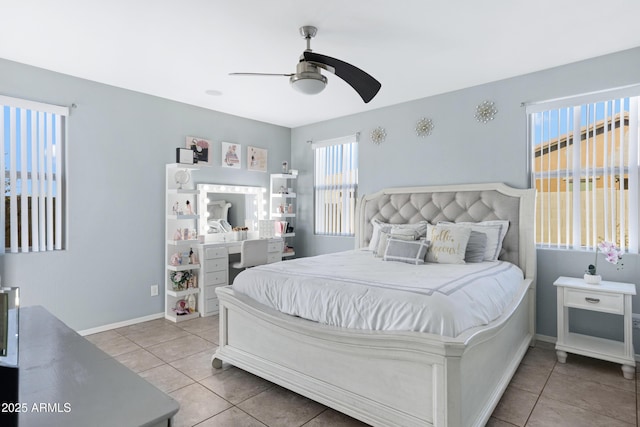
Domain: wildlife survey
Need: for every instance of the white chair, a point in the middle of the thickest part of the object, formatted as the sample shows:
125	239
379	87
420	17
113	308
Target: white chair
252	252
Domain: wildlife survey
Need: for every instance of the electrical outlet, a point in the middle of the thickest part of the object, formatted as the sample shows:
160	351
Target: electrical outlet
636	321
154	290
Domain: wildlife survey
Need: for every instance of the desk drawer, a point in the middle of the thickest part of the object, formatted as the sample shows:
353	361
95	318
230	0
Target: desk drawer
274	257
274	247
215	278
211	305
217	264
595	301
210	292
211	253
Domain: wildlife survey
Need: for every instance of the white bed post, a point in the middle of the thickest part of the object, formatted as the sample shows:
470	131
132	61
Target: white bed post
223	333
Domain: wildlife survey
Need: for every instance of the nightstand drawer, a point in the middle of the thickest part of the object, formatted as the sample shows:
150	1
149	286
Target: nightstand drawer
595	301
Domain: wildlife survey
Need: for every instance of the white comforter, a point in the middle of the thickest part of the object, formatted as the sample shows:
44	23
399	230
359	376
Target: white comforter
353	289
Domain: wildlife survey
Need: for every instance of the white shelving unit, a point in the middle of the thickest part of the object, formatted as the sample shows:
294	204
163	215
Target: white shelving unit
181	230
283	208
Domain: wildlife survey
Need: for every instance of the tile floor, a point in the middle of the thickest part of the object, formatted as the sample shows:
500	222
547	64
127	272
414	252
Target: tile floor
176	358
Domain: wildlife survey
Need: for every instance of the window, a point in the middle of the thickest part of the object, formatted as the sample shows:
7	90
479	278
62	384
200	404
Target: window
585	166
33	136
335	184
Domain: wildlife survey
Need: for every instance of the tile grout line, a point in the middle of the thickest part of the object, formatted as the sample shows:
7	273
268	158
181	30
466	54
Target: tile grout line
540	394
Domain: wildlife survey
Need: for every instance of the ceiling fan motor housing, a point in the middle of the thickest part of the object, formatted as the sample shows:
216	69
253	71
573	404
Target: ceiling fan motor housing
308	79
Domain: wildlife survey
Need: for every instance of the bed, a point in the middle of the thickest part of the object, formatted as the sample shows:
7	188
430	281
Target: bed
398	377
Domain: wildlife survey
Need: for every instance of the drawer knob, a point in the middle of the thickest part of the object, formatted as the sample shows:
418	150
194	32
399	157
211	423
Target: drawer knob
592	300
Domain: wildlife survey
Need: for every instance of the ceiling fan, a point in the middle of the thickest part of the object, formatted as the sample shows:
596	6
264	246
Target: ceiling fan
308	78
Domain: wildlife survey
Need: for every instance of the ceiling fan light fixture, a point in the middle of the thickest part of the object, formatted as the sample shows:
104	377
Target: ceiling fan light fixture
309	80
308	83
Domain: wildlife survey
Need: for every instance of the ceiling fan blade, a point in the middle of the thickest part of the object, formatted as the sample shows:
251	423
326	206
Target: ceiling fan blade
366	86
259	74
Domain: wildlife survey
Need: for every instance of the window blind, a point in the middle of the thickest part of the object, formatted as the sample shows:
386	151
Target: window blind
33	136
585	167
335	185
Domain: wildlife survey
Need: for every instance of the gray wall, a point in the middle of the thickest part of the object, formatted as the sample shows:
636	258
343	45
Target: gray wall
461	150
119	143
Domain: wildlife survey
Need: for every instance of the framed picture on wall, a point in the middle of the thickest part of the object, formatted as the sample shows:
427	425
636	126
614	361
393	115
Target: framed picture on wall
256	159
231	155
201	149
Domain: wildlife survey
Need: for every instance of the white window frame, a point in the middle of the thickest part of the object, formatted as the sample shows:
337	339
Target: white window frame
590	172
334	212
46	136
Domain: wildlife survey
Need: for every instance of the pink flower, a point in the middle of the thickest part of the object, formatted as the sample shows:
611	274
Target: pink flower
612	254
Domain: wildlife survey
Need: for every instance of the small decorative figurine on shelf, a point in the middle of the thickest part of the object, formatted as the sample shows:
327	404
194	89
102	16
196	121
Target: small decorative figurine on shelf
176	208
177	235
181	308
193	281
176	259
192	257
191	300
283	190
189	210
285	167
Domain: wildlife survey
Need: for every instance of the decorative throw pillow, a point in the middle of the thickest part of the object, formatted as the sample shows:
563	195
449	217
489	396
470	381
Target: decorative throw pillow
448	244
384	238
409	251
378	226
495	231
475	247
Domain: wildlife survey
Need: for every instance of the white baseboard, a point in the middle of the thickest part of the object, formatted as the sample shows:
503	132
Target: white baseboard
121	324
546	338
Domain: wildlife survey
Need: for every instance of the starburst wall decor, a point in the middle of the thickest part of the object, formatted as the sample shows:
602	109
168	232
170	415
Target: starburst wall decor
486	112
424	127
378	135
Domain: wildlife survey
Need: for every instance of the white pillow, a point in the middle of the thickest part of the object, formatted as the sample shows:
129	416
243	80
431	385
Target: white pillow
378	226
448	244
495	231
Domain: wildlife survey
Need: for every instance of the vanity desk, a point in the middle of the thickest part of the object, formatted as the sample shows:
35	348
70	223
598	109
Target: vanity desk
214	270
200	223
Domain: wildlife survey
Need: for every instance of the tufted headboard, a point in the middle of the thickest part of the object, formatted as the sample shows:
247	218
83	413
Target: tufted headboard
456	203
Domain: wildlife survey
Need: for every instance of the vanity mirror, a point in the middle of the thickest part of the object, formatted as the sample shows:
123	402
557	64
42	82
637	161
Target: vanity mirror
222	207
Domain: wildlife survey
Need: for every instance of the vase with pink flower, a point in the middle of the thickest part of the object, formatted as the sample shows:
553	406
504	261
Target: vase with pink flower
612	254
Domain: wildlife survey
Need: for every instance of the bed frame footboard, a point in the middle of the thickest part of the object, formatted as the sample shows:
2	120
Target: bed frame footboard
382	378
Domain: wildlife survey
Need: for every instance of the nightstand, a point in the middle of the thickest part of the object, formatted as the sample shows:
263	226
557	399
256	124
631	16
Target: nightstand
607	297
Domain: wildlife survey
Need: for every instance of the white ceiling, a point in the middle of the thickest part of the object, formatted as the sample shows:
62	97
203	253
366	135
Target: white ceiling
415	48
